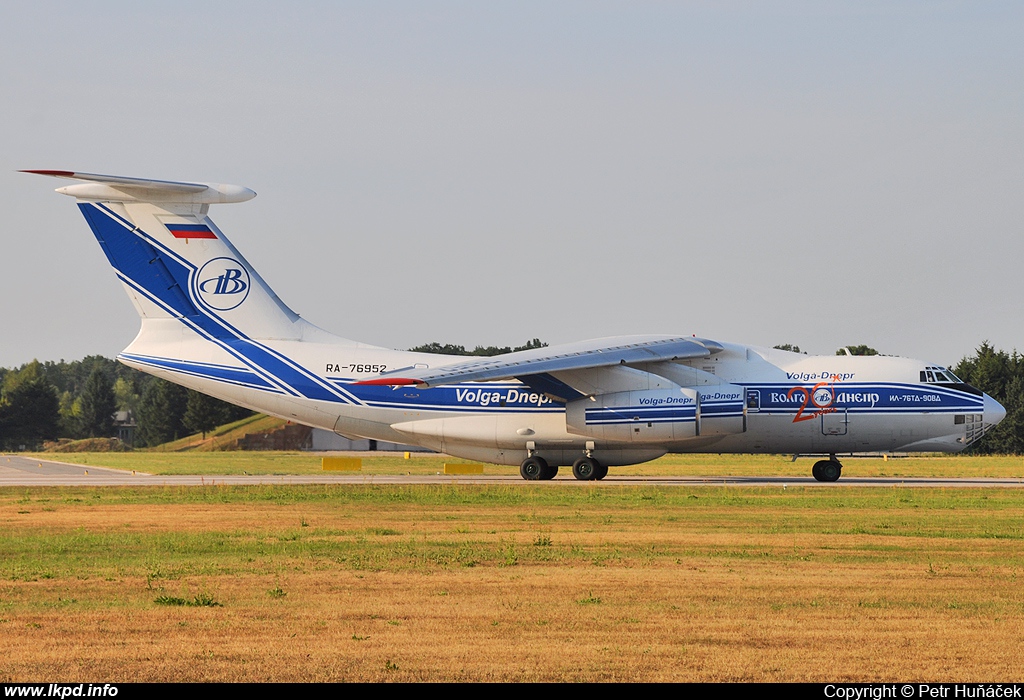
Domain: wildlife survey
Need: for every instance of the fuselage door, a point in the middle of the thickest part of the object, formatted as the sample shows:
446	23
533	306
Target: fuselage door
753	400
835	423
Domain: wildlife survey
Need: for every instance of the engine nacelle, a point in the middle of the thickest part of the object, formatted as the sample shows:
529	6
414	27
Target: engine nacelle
652	415
722	410
659	415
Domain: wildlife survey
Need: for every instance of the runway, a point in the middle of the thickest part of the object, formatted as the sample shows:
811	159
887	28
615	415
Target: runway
22	471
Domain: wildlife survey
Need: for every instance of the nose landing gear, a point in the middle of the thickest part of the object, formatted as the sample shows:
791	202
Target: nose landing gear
827	469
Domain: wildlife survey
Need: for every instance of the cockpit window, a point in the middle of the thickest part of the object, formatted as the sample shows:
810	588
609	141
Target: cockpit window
947	380
939	375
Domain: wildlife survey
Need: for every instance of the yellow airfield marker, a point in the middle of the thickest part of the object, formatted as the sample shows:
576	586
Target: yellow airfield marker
341	464
463	468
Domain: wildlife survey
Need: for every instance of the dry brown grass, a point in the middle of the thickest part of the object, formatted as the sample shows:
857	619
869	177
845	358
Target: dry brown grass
703	586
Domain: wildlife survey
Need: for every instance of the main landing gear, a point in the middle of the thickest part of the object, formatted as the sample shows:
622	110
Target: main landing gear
589	469
827	469
585	469
537	469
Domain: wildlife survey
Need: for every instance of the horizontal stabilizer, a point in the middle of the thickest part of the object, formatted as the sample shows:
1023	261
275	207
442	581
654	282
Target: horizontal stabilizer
114	188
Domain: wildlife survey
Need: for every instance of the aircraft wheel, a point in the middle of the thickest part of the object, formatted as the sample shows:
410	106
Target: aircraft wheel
827	470
550	472
816	471
533	469
832	470
601	472
585	469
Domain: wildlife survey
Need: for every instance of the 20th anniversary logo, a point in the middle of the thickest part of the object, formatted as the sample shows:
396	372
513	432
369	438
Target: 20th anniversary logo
818	400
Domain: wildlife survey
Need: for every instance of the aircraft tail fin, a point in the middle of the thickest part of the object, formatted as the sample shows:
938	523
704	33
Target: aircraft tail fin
173	260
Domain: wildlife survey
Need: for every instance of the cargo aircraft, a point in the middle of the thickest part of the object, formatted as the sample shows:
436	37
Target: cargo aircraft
210	323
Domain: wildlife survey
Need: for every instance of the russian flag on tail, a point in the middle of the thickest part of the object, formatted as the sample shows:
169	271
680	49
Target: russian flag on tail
190	231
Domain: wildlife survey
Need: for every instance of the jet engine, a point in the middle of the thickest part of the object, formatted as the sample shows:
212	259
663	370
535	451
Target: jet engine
659	415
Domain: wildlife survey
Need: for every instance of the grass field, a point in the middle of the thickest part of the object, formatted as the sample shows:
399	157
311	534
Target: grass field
425	463
523	582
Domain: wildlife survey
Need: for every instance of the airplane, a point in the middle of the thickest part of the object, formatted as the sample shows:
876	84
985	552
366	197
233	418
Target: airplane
211	323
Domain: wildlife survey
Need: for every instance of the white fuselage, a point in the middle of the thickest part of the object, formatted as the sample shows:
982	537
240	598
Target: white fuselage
862	404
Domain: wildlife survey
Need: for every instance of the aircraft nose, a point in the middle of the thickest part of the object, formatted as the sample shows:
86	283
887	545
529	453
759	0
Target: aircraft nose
993	412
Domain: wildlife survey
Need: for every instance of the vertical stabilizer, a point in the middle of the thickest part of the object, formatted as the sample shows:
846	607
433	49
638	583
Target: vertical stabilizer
209	321
174	261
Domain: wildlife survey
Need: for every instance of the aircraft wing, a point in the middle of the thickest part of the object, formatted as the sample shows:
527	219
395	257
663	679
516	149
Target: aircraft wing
603	352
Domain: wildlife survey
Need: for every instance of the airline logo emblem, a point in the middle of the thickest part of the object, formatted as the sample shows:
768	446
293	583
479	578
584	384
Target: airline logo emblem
222	284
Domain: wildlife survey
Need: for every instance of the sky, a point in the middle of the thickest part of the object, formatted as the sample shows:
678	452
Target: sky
813	173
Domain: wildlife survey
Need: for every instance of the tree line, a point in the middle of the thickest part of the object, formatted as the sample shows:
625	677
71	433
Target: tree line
42	401
478	351
1000	375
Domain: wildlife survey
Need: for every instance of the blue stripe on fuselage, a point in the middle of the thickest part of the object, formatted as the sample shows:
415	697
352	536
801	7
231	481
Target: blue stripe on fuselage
464	398
866	397
222	373
502	398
